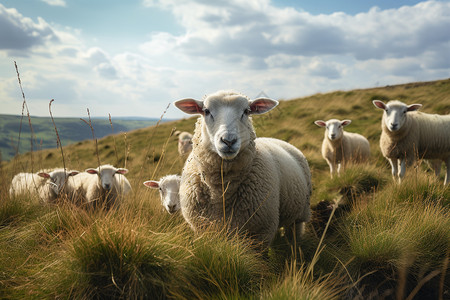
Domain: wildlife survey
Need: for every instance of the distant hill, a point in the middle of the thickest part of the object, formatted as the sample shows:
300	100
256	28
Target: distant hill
70	130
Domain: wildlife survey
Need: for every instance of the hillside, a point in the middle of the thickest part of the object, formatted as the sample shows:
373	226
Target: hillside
382	241
293	121
70	130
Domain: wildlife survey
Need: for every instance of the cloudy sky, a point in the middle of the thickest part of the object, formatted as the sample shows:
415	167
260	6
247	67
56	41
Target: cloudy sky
132	58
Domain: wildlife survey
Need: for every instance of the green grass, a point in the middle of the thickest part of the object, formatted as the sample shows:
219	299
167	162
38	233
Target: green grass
384	240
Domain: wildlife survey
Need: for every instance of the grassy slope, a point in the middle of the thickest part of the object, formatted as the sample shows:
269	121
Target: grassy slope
390	240
71	130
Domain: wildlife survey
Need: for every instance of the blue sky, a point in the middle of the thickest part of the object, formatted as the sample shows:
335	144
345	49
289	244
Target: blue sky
133	58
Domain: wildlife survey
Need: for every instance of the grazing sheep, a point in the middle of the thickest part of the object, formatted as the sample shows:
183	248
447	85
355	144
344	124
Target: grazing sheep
101	186
340	147
47	185
408	136
184	143
253	185
169	187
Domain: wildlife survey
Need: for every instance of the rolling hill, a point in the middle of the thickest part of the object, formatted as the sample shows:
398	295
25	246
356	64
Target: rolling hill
383	241
70	130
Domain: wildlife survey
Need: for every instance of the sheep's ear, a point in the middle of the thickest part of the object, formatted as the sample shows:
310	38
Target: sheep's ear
91	171
379	104
320	123
414	107
190	106
152	184
43	174
122	171
73	173
346	122
262	105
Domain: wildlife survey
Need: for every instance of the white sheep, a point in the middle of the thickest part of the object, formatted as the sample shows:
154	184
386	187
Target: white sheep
47	185
340	147
408	136
169	187
101	186
254	185
184	143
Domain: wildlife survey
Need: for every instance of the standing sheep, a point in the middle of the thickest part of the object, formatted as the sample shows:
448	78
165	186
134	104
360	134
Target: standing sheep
408	135
47	185
340	147
168	186
101	186
254	185
184	143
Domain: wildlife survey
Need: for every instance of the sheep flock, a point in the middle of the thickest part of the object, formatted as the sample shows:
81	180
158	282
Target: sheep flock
252	185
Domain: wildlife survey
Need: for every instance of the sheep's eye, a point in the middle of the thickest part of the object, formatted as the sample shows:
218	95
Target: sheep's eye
206	112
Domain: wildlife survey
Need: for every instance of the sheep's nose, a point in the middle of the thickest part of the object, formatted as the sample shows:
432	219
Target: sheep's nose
228	142
171	208
333	135
394	126
107	186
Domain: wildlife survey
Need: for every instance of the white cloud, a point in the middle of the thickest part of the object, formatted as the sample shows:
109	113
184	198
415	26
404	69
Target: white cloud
243	45
55	2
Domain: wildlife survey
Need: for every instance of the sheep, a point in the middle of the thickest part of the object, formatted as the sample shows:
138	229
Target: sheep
169	187
184	143
340	147
47	185
408	136
252	185
101	186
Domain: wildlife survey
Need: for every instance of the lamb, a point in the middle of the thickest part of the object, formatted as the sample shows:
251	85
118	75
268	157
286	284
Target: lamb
169	187
251	185
408	136
102	189
47	185
340	147
184	143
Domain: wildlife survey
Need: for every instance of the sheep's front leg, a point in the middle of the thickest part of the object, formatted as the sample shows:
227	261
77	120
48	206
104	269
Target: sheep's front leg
393	163
402	167
332	168
339	168
447	175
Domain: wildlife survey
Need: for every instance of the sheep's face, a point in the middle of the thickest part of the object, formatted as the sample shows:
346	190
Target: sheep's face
395	113
168	190
334	128
57	179
227	127
106	175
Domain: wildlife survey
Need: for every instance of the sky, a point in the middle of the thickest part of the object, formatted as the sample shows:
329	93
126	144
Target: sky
134	58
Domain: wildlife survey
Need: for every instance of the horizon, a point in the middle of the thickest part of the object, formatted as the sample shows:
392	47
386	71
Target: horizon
135	58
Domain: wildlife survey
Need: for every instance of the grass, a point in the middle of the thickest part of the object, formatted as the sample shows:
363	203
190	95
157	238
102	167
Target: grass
384	240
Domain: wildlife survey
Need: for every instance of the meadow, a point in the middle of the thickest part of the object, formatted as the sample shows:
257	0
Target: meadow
380	240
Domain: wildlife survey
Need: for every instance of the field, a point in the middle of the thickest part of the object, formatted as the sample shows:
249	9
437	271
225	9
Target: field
71	130
383	241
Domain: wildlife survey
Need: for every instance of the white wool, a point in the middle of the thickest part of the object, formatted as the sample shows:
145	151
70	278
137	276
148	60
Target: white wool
266	182
408	136
340	147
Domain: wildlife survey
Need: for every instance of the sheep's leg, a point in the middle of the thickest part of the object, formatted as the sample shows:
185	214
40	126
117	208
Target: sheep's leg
332	168
447	175
339	169
393	163
402	167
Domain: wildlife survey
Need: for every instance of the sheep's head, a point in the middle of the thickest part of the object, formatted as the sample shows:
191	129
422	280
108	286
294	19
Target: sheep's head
227	125
169	187
334	129
395	113
57	178
106	175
